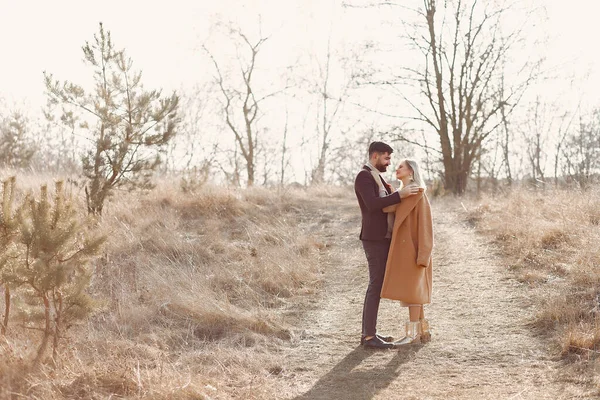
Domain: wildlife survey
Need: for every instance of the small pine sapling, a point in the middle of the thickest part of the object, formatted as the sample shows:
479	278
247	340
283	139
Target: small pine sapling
54	271
8	253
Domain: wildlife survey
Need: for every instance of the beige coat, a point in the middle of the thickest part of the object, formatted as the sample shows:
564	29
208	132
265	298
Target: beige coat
408	273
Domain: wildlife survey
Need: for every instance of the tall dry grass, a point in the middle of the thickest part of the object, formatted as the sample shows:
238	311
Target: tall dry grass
197	291
551	240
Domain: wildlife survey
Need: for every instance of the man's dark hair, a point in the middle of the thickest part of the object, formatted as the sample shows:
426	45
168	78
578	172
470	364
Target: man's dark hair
379	147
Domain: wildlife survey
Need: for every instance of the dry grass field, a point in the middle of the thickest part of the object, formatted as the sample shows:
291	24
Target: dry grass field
195	292
257	294
550	240
484	343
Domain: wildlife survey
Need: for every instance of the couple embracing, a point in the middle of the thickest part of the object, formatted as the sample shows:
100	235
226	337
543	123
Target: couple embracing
397	236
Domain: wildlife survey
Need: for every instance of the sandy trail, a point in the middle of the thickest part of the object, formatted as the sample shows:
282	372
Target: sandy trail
481	346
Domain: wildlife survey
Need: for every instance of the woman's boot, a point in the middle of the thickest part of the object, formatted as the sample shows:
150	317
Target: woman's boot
413	334
425	334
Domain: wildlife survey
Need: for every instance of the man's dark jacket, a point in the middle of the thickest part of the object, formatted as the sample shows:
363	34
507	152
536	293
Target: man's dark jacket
374	220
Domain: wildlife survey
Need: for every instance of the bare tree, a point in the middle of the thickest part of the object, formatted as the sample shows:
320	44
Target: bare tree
428	161
490	160
563	131
16	146
538	126
462	95
232	174
192	155
582	150
268	157
353	149
544	127
191	148
462	89
330	103
506	137
241	105
285	161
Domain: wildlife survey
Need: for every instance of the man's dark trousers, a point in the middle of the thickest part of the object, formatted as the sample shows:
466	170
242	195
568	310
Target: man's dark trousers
377	254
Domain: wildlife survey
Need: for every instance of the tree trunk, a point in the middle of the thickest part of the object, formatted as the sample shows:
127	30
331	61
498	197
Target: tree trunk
318	175
460	187
6	309
450	171
94	199
478	175
47	330
57	326
250	172
505	144
283	150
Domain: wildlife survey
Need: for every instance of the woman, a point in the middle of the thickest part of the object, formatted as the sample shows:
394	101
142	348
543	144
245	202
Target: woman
408	275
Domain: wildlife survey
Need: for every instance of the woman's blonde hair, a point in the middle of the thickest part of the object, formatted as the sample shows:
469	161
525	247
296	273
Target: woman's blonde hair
414	166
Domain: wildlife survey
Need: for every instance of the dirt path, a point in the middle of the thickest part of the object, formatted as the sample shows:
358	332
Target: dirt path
481	347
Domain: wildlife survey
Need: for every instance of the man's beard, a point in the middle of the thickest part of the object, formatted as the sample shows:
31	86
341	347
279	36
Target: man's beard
381	168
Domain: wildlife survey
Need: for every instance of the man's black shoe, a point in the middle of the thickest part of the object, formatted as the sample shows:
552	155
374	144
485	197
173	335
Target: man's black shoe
376	343
383	338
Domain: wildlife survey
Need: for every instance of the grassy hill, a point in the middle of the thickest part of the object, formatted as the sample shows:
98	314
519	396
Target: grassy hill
550	240
198	293
195	291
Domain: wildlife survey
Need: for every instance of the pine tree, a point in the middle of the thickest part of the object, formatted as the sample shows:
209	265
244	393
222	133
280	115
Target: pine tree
8	251
16	149
128	124
53	269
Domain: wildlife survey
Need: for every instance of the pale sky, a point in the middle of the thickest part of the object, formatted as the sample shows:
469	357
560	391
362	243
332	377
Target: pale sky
163	37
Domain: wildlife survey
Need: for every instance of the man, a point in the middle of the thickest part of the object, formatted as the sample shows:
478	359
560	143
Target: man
373	194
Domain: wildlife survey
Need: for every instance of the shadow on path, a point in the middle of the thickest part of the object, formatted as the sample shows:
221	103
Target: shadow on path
347	380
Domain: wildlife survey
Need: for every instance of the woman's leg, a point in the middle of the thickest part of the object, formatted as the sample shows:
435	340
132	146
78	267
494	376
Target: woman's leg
425	334
414	312
413	326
